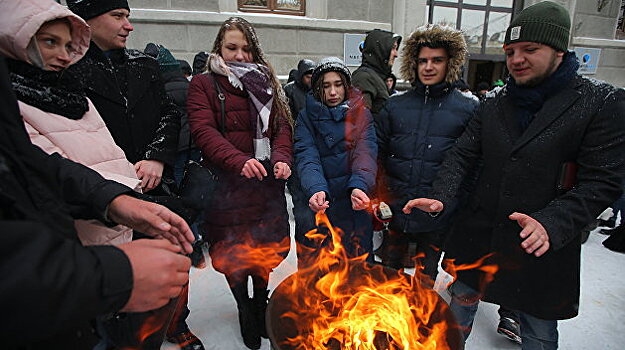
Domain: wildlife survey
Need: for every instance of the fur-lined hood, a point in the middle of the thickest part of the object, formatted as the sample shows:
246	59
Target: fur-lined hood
457	50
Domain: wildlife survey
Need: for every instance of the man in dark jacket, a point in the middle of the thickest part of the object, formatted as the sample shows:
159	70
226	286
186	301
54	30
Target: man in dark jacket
126	88
297	89
378	56
552	145
51	285
414	130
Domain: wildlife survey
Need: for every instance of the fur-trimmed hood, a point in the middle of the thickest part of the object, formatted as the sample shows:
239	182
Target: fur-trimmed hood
433	33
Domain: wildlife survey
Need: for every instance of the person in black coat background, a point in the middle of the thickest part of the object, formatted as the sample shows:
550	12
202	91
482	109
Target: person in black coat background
52	286
127	89
552	145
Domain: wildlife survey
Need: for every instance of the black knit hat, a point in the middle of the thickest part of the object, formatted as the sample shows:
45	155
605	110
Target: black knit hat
330	64
545	22
87	9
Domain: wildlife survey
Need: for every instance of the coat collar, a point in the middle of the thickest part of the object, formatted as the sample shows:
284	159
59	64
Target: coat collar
317	110
553	109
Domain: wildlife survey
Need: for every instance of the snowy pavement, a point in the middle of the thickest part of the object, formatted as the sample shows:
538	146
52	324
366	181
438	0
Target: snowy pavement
600	325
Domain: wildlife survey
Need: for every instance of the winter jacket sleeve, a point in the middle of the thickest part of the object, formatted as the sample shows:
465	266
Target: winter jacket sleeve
164	145
307	158
204	120
52	284
282	143
364	154
599	177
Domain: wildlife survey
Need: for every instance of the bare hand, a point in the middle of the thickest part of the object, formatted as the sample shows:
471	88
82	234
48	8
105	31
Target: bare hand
253	168
360	200
281	170
318	202
536	237
424	204
150	173
152	219
158	273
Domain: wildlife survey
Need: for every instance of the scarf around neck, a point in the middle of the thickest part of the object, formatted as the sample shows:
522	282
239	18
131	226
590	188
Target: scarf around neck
254	79
530	100
53	92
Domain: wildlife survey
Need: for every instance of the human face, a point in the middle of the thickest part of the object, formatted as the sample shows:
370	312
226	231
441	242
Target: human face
333	89
54	40
306	79
389	83
393	56
111	30
235	47
432	65
531	63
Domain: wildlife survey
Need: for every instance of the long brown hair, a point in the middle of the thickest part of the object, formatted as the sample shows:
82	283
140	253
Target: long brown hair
280	103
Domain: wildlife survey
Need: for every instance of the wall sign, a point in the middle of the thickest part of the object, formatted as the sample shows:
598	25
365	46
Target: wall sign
351	49
588	59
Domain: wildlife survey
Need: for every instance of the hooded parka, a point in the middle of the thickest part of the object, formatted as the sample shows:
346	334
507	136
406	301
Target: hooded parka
57	133
416	128
370	77
335	152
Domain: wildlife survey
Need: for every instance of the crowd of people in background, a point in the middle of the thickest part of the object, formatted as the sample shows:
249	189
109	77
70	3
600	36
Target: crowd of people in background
96	138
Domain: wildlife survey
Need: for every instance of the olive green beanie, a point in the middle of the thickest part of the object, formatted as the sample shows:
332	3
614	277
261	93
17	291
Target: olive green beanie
545	22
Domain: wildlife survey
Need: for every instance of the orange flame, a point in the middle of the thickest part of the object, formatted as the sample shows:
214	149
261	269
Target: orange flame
350	305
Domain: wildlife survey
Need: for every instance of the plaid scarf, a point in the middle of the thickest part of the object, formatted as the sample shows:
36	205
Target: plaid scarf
253	78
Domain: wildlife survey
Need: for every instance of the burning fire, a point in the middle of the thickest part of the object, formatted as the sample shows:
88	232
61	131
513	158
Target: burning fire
341	303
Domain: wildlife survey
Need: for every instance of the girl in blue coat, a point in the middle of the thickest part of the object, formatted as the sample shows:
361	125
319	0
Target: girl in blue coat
335	155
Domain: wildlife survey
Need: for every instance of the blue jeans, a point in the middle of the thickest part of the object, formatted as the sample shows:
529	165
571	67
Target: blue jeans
536	333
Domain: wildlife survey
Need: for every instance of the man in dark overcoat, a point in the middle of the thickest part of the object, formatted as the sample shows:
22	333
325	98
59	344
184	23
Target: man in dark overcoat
126	88
552	145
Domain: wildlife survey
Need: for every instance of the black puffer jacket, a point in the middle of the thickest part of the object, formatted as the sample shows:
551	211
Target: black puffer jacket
370	77
176	86
296	90
127	90
414	130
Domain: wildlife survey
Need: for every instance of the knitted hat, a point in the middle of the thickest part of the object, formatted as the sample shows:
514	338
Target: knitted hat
330	64
545	22
166	61
87	9
199	62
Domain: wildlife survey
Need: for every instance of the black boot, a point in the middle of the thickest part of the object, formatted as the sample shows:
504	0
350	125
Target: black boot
260	308
247	318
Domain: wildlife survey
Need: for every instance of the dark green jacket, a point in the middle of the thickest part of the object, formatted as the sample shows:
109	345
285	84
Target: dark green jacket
371	75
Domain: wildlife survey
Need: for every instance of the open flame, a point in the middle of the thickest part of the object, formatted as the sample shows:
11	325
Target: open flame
342	303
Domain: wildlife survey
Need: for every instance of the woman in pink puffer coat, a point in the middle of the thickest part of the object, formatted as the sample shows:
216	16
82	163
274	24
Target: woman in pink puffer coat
40	40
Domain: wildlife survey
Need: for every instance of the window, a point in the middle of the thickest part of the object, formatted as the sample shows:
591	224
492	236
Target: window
285	7
483	22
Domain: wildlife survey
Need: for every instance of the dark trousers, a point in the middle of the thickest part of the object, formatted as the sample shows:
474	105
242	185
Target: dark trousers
428	249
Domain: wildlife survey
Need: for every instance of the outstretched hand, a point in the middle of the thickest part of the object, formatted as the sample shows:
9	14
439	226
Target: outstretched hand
536	239
424	204
253	169
281	171
318	202
152	219
159	273
360	200
150	173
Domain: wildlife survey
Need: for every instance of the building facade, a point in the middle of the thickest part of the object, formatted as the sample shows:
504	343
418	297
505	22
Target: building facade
290	30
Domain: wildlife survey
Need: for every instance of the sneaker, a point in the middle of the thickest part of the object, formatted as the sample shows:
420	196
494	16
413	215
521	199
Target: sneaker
186	341
510	329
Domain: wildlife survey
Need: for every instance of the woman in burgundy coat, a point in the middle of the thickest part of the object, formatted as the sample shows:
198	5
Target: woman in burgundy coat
251	150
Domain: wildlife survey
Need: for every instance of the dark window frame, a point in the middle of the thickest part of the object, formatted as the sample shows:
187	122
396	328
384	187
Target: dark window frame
620	24
272	7
487	9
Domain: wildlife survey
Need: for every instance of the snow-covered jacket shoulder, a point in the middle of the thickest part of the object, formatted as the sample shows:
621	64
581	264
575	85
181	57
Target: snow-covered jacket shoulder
86	141
22	19
335	148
